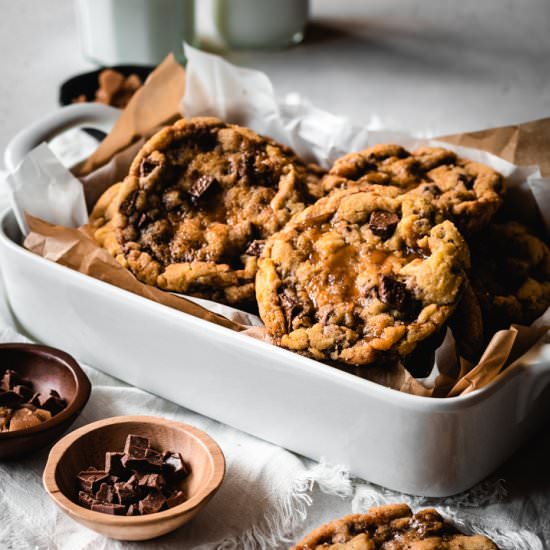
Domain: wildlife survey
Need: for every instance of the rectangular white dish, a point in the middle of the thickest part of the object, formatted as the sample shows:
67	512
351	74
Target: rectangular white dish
418	445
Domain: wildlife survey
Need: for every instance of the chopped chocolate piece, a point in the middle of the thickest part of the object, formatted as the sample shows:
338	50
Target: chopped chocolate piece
430	189
154	457
128	203
131	483
393	293
12	379
416	251
245	165
142	220
126	493
148	164
255	248
141	479
86	499
291	306
175	498
154	481
113	509
467	179
89	480
397	296
53	403
6	383
383	223
142	459
105	493
113	464
144	464
24	391
35	399
174	466
135	478
134	442
18	396
201	185
152	503
10	399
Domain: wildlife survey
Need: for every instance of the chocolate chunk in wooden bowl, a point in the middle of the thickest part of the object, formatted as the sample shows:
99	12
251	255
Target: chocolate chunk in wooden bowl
137	481
22	407
185	497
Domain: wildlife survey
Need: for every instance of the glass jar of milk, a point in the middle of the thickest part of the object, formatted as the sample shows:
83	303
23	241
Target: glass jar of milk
134	31
261	23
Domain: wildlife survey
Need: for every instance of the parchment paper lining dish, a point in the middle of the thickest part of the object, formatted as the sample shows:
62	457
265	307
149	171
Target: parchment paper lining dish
304	128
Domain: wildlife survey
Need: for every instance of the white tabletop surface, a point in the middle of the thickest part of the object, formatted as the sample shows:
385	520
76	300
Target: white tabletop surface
436	66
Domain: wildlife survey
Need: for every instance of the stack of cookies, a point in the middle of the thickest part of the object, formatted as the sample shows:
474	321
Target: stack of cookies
364	264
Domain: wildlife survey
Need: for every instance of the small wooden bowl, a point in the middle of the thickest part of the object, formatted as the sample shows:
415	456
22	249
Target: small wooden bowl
87	446
47	368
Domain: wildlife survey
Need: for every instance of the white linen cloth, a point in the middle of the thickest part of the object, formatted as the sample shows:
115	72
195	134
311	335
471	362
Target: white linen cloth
270	496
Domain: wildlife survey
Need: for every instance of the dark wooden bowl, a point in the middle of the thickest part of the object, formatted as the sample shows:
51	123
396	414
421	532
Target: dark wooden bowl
87	83
47	368
87	446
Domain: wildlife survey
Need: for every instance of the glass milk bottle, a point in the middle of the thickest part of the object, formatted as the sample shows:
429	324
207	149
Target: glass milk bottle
261	23
134	31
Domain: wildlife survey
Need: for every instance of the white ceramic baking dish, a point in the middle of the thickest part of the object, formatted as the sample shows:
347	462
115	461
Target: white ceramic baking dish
413	444
417	445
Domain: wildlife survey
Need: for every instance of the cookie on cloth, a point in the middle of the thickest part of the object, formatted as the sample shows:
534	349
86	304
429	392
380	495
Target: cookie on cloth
510	275
392	527
360	276
199	201
466	192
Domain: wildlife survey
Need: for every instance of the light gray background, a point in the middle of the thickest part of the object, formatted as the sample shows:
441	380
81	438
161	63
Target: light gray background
438	66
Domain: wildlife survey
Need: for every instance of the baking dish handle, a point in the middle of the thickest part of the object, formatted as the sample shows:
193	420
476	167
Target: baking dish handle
537	368
94	115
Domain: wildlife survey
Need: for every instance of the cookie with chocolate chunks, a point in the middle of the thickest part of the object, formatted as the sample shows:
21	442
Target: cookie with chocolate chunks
394	527
510	275
463	191
360	276
200	198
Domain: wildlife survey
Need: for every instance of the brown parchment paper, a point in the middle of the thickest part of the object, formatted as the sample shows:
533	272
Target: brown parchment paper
77	249
157	103
154	104
522	144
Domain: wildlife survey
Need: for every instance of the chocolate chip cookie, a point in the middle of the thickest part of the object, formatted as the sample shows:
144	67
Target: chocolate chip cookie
200	199
101	221
466	192
360	276
510	275
392	527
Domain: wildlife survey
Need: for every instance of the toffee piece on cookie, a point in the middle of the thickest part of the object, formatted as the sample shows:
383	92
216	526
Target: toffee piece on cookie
200	199
392	527
139	480
360	276
466	192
